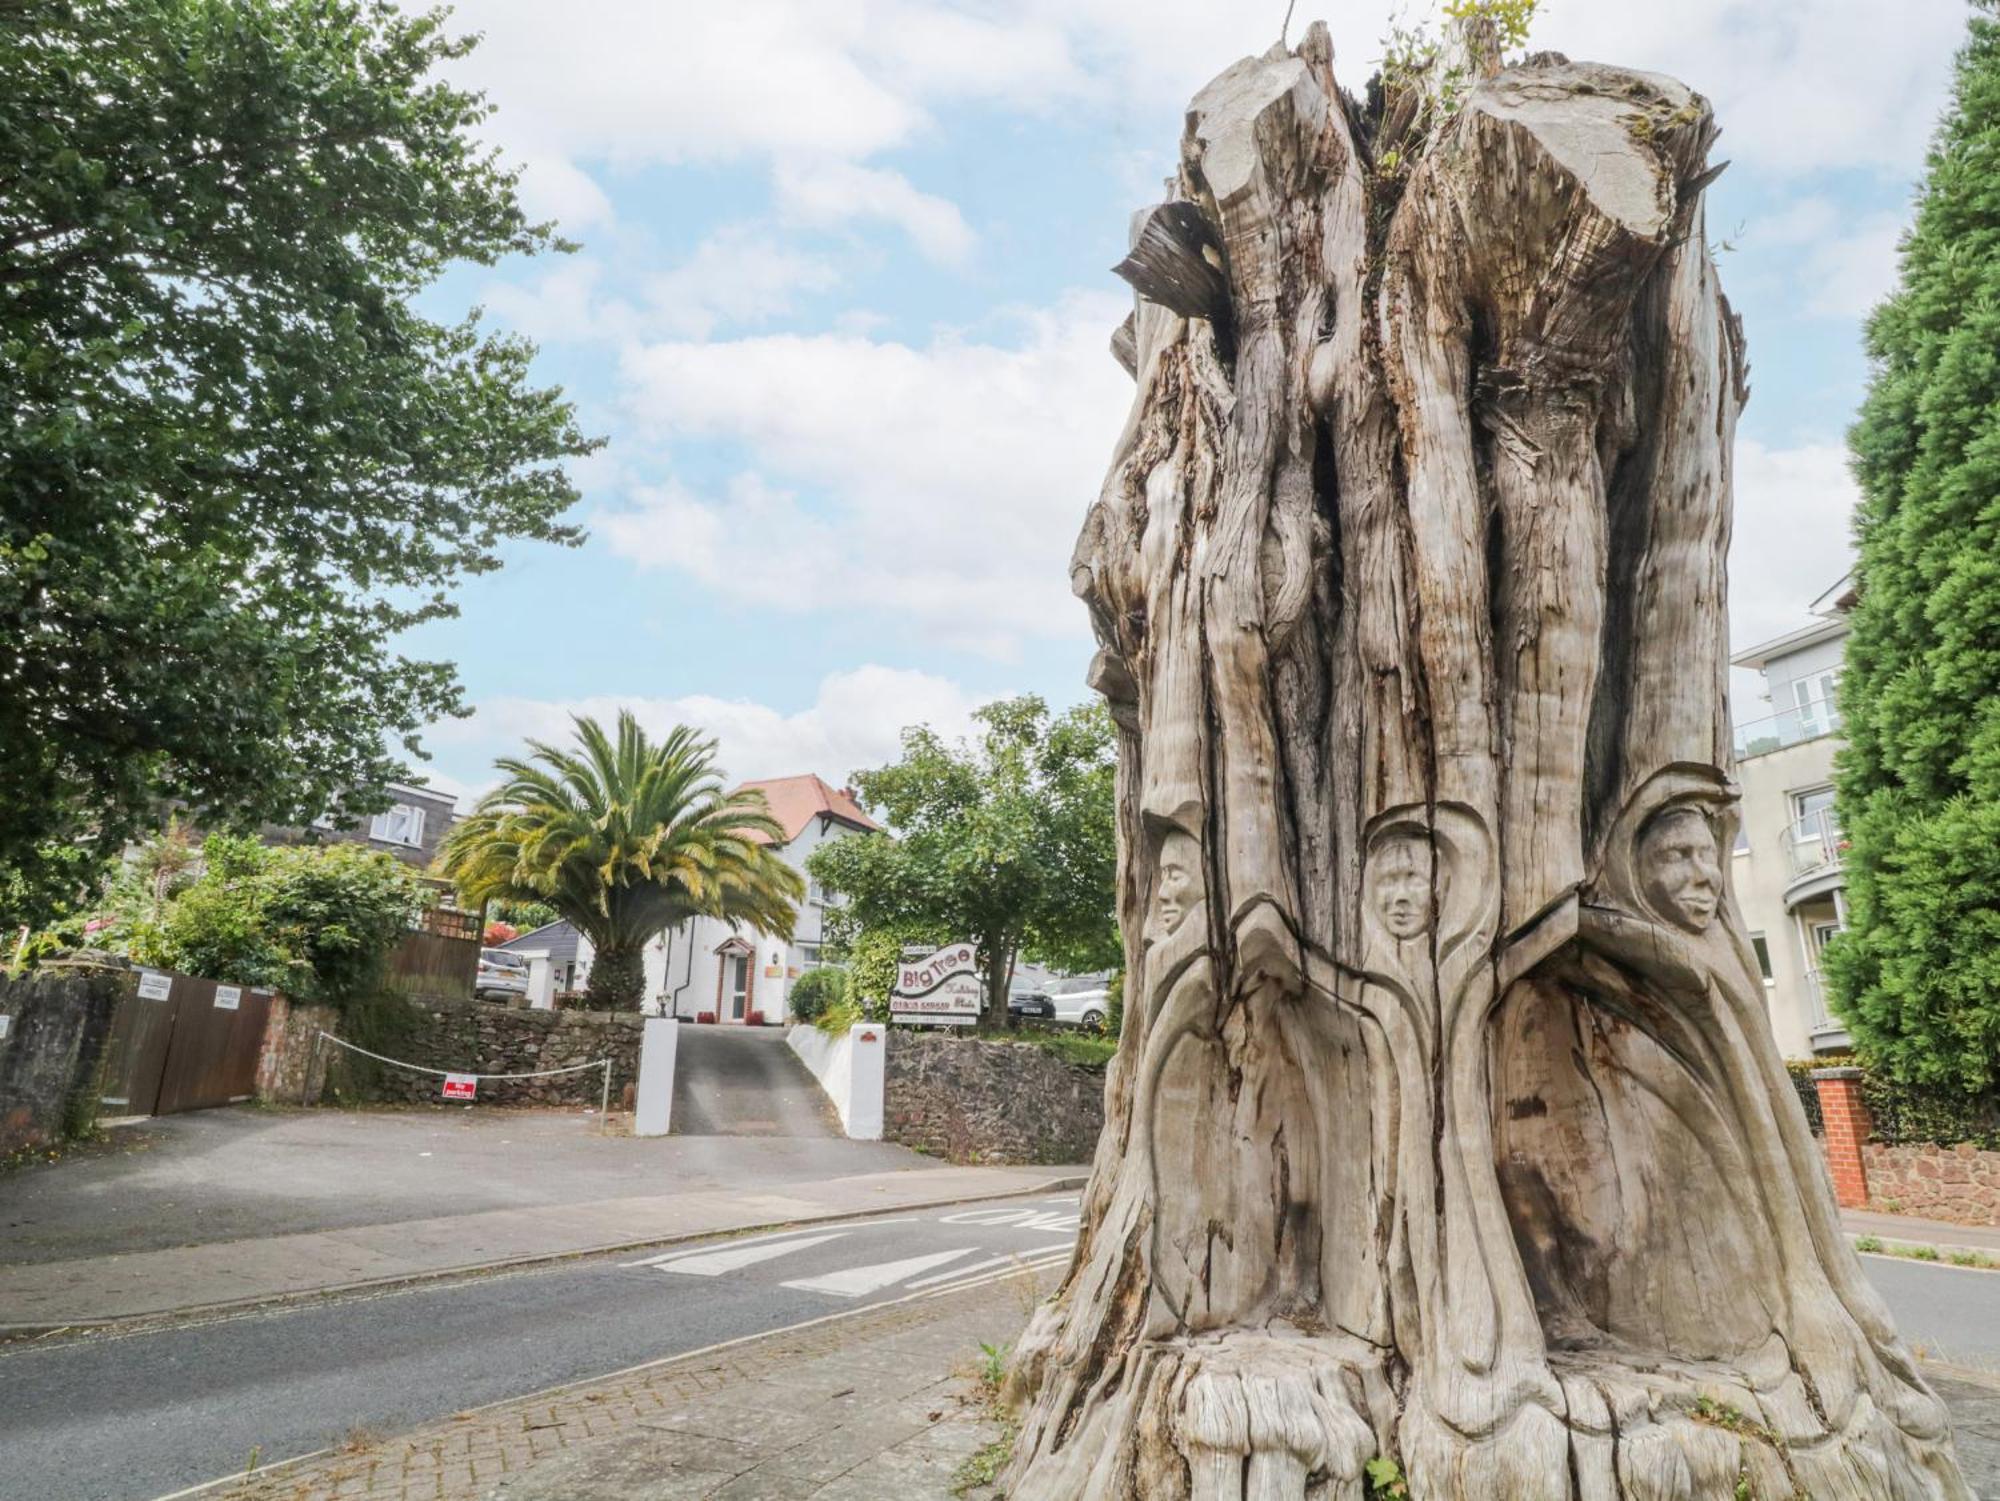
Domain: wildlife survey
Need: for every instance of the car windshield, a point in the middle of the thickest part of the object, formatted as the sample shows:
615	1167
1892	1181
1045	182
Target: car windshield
1081	986
499	960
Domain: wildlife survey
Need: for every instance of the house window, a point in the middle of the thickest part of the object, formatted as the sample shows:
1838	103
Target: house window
808	956
1763	951
1812	814
402	824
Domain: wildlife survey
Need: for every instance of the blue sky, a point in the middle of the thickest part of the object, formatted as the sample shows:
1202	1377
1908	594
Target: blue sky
842	312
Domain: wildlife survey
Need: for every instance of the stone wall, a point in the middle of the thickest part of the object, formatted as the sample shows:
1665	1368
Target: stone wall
474	1037
989	1102
57	1022
1960	1184
291	1070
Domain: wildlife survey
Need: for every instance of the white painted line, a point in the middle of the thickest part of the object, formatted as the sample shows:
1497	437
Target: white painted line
857	1281
1021	1257
753	1240
733	1258
1017	1269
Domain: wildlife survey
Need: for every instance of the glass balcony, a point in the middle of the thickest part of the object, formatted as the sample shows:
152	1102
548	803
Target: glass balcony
1757	737
1814	843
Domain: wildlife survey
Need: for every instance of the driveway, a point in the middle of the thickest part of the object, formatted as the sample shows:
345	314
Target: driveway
222	1175
744	1081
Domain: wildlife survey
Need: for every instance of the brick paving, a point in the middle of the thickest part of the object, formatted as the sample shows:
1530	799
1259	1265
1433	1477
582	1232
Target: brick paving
878	1404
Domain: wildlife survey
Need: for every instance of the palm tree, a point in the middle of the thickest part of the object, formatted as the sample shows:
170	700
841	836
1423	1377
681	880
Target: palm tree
625	838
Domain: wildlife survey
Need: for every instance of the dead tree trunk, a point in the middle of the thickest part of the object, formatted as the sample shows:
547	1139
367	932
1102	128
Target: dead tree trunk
1447	1126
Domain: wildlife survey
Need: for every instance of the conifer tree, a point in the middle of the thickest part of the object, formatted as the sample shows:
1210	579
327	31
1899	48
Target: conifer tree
1917	976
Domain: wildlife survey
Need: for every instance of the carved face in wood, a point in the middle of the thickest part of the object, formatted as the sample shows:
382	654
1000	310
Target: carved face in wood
1180	882
1680	868
1399	884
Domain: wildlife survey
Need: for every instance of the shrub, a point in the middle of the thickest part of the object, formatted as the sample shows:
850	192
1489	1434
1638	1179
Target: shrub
755	1019
836	1019
817	989
704	1018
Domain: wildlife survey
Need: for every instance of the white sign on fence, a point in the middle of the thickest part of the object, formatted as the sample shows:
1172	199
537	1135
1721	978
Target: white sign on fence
154	986
942	989
228	997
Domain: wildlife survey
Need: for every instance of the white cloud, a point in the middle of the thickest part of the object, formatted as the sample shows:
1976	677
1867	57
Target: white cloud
1792	540
554	187
855	721
1844	266
948	480
831	192
742	274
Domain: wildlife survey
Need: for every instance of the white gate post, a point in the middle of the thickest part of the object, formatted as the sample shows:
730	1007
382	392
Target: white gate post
867	1050
653	1108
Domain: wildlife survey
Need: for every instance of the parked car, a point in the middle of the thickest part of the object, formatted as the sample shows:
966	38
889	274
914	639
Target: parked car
1084	1001
502	976
1030	1005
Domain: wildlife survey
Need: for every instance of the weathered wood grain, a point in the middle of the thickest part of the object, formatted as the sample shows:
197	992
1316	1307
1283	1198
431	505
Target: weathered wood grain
1446	1125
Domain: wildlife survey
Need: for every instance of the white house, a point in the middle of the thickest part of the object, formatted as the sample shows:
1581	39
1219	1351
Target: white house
708	966
1789	849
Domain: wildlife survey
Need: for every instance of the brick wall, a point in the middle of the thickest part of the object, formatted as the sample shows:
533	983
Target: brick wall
291	1070
989	1102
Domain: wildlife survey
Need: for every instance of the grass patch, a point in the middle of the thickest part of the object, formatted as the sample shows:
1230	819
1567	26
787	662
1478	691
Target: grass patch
983	1465
1965	1256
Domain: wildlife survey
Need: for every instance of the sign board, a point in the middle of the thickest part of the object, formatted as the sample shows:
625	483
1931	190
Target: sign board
942	989
154	986
461	1086
228	997
6	1023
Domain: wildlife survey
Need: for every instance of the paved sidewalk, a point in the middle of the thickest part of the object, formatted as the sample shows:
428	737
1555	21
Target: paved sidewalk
187	1279
865	1407
1908	1228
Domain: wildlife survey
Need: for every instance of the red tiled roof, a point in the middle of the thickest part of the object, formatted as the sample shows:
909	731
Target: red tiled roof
797	801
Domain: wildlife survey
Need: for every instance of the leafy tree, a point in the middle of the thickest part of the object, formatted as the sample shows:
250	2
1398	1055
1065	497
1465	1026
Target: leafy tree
523	917
1009	842
1917	976
235	460
626	839
317	922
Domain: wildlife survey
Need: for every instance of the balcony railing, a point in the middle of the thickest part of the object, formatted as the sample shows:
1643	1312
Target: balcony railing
1757	737
1814	843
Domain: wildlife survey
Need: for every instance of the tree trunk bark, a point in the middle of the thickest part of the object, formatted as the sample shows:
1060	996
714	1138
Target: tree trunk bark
999	955
617	977
1446	1127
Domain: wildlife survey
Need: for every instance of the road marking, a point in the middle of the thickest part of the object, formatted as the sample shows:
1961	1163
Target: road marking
1018	1269
860	1280
754	1240
732	1258
1013	1219
981	1266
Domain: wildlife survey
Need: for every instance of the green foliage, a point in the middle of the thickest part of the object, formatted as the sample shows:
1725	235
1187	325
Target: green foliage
837	1018
1385	1480
1009	842
625	838
316	922
237	463
1917	976
815	990
1868	1245
1086	1049
522	916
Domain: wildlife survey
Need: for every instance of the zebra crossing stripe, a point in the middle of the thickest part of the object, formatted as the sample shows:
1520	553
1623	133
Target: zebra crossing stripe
734	1258
857	1281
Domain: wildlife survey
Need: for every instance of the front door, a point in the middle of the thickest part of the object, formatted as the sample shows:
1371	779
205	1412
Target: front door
738	974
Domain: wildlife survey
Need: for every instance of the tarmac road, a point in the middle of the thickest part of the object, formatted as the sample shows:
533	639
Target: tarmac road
138	1416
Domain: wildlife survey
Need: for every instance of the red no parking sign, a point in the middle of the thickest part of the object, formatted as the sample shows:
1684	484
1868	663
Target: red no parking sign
460	1086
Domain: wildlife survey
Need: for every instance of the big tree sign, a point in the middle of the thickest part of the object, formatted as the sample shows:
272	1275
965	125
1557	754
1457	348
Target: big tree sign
1447	1133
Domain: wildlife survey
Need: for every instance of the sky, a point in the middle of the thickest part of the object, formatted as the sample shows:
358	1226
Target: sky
842	307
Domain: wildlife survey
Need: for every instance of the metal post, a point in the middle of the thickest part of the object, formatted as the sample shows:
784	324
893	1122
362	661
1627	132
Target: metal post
604	1109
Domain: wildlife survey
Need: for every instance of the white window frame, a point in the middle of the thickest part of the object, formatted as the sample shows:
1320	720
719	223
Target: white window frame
381	828
1805	825
1760	946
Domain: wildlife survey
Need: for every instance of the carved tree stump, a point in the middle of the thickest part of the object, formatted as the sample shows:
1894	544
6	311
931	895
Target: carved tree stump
1447	1123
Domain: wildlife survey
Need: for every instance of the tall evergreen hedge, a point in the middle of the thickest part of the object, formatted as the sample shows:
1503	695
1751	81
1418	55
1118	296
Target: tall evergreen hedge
1917	977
